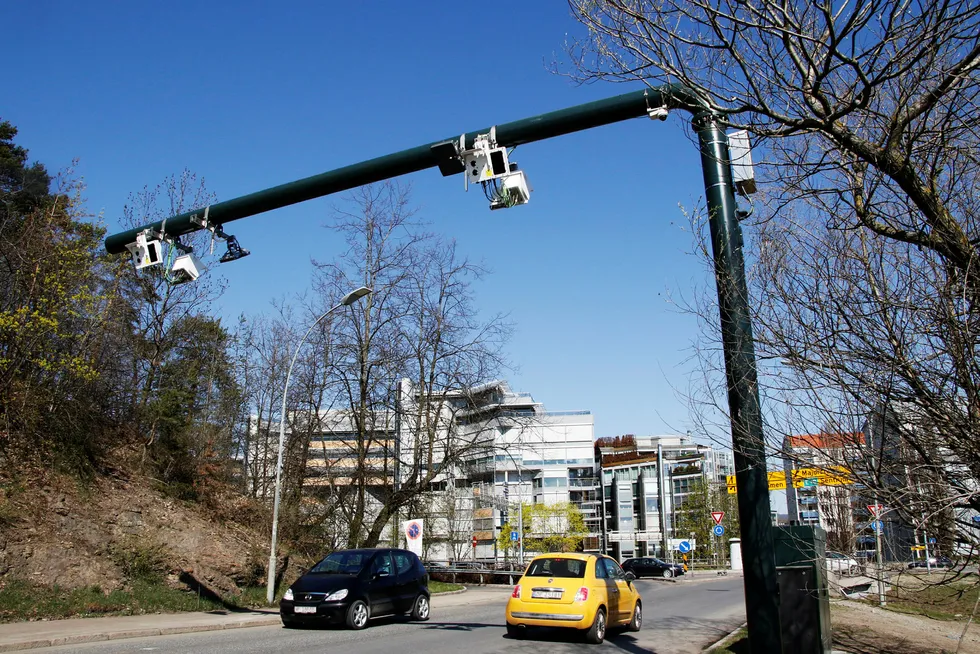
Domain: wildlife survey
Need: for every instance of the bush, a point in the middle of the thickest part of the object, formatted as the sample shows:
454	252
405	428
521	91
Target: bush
141	561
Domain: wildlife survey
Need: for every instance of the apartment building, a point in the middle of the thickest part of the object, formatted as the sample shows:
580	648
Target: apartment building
840	503
641	497
535	456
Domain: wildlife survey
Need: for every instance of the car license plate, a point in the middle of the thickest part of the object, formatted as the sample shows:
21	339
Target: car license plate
304	609
546	594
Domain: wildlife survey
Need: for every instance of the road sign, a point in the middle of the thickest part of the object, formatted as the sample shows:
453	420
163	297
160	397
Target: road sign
474	541
917	548
514	536
932	541
976	518
717	516
876	509
684	547
718	530
810	483
877	525
829	476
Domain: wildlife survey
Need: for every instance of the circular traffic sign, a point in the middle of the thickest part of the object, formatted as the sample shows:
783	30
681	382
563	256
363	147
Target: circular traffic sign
414	530
684	547
718	530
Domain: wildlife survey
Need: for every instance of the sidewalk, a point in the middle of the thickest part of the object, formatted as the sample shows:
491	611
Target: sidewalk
50	633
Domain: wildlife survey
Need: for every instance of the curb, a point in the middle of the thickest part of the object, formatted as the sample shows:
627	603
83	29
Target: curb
57	641
449	592
133	633
724	640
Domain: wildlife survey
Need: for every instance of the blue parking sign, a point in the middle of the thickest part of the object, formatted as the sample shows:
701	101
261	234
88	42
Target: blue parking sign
514	536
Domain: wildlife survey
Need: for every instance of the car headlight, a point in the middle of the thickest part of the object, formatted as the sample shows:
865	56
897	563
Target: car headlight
336	596
288	595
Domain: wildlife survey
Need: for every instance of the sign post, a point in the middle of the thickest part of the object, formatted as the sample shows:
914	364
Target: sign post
878	526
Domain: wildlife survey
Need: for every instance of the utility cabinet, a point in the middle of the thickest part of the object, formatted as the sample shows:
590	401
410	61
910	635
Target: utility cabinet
804	598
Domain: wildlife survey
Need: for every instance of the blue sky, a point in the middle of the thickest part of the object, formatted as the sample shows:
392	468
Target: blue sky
253	94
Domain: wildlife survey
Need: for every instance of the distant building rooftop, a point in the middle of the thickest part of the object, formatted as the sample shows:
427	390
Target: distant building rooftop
827	441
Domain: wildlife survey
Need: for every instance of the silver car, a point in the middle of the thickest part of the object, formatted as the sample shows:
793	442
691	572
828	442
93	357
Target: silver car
842	564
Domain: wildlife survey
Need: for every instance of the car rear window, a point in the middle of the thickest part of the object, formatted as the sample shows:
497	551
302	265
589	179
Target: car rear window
557	567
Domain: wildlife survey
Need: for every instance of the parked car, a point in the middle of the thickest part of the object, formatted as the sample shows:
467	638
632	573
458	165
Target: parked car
435	566
352	586
842	564
649	566
934	561
589	592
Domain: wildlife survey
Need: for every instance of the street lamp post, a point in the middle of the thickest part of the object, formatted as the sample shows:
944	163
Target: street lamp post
348	300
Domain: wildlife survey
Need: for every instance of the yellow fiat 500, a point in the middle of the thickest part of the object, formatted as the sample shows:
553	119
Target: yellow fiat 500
588	592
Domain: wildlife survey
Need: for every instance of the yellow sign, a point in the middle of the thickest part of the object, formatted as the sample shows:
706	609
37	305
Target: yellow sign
834	476
917	548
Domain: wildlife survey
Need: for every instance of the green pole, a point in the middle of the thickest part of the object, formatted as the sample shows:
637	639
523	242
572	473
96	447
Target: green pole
528	130
761	599
758	560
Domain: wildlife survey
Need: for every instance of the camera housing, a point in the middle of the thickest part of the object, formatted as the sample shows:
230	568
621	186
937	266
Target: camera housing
186	268
145	251
514	190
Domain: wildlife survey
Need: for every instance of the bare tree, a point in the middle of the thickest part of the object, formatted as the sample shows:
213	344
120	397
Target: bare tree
864	283
159	304
419	324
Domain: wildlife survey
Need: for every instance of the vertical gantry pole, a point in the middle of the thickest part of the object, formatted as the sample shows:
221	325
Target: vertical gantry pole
758	562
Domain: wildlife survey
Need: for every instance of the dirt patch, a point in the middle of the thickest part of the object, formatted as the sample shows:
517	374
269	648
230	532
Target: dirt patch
864	629
66	534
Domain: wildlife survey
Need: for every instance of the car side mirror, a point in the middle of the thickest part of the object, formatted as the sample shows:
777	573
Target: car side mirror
630	576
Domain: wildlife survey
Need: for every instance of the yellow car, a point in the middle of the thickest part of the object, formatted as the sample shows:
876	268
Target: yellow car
589	592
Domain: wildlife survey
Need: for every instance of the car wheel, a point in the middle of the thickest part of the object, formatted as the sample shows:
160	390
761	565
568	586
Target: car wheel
597	632
358	614
637	620
668	573
420	611
513	631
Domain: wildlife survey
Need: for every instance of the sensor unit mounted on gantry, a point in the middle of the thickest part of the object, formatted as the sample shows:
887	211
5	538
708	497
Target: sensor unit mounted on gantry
180	264
488	165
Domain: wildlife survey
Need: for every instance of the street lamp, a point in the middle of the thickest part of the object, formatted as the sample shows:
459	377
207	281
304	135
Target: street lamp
348	300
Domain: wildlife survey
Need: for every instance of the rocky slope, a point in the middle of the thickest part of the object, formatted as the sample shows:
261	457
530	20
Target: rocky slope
63	533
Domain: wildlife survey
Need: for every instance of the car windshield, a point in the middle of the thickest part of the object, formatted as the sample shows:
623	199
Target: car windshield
557	567
341	563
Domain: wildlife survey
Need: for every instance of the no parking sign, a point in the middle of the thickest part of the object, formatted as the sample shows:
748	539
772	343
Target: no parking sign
413	536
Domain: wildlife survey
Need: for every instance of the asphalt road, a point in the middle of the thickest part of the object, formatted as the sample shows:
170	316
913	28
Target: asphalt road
679	617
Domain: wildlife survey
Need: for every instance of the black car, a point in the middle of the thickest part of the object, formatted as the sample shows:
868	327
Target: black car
352	586
649	566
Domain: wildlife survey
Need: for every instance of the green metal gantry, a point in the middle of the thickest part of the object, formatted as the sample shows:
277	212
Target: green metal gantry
761	592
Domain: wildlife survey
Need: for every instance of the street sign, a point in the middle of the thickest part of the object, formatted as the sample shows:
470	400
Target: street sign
810	483
829	476
917	548
717	516
684	547
932	541
514	536
718	530
876	509
877	525
976	518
